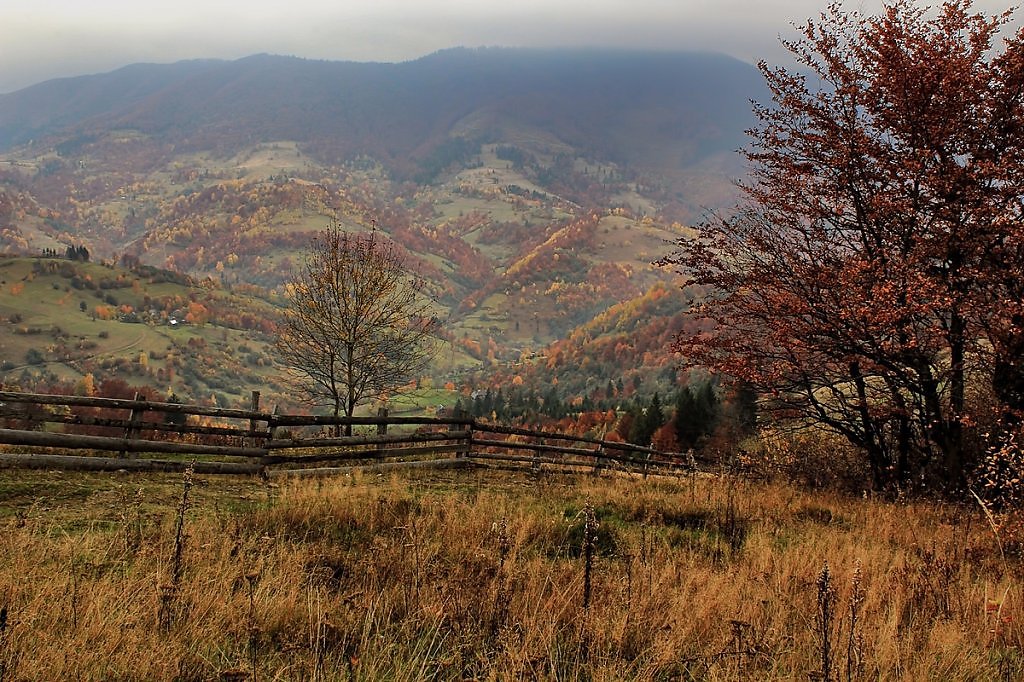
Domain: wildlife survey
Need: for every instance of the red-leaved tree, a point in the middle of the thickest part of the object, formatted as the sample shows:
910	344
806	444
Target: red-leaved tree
869	282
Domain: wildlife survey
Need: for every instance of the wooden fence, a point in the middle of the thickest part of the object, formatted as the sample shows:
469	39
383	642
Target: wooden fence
40	429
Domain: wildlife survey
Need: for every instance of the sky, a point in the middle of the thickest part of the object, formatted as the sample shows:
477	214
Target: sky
44	39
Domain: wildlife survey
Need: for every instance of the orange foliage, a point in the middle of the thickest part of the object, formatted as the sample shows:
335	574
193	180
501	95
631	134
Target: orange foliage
664	439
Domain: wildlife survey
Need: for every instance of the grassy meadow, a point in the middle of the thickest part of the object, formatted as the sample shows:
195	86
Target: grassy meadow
489	575
43	313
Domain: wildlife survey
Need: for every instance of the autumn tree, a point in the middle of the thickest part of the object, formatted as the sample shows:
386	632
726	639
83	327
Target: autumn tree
358	324
869	280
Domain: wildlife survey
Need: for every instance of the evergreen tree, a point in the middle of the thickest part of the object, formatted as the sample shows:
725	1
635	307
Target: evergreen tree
697	414
553	405
532	403
499	404
708	407
645	421
687	431
635	415
654	418
175	418
743	409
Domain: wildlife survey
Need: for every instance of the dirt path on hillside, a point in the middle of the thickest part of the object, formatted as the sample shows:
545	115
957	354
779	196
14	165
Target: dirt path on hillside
119	349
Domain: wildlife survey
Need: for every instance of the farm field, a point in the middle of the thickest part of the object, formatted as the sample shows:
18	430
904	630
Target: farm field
485	575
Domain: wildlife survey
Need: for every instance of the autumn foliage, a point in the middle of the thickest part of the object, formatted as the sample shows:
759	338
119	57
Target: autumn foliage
869	282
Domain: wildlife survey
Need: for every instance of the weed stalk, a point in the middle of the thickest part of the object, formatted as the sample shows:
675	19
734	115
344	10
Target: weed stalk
855	639
824	618
169	591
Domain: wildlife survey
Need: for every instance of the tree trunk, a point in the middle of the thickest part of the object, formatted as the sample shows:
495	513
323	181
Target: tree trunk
1008	373
872	442
350	409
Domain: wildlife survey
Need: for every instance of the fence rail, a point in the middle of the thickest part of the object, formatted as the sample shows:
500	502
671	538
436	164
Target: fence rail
236	441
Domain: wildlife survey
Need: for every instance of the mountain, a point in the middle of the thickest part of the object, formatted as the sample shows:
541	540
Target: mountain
531	188
666	111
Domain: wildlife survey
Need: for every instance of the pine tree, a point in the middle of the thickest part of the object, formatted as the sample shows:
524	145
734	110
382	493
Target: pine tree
654	418
697	414
687	430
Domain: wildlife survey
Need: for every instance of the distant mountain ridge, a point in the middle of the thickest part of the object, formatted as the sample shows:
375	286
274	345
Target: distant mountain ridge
647	109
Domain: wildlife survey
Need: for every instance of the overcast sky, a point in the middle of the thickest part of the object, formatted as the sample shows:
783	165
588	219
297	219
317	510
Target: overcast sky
43	39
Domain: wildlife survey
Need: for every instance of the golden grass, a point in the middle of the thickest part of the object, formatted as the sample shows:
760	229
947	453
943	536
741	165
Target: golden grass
481	577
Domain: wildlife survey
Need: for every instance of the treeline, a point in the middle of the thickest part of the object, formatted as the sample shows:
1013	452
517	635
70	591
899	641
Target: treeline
76	253
699	416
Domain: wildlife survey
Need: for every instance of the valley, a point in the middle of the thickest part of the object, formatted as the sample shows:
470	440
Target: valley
531	215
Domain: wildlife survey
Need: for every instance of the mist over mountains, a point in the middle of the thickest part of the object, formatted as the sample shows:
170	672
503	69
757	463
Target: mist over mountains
667	111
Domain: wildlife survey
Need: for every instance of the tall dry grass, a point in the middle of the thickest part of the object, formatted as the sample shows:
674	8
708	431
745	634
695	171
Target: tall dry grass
481	578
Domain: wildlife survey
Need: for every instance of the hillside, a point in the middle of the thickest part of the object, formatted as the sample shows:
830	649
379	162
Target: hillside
61	321
531	189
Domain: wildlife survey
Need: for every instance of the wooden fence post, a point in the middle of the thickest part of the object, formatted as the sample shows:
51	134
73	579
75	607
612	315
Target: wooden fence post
132	431
271	425
382	429
271	432
535	465
254	406
598	460
460	413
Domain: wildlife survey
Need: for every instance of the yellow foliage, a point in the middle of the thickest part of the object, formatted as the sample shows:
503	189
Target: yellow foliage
86	385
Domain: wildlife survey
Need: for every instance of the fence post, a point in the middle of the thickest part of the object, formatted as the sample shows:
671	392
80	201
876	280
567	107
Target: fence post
647	463
535	465
382	428
271	425
132	431
271	432
460	413
254	406
598	460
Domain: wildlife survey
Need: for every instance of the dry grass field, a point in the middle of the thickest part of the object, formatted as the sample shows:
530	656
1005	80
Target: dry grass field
483	575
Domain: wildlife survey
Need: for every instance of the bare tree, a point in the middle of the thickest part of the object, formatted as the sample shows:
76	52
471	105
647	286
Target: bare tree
358	325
